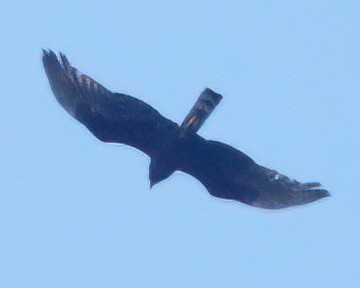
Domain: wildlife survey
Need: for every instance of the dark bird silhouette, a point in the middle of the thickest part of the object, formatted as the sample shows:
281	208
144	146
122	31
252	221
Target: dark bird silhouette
225	172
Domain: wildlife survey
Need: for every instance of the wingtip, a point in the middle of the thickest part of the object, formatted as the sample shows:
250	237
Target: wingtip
314	192
316	187
325	193
49	52
46	52
49	56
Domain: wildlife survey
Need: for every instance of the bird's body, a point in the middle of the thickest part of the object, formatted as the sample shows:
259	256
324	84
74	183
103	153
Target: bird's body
225	172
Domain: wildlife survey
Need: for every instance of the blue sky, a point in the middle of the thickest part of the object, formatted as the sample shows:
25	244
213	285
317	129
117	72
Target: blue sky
75	212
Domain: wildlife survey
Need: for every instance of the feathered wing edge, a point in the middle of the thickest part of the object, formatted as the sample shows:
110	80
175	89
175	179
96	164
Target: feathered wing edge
230	174
111	117
278	191
68	84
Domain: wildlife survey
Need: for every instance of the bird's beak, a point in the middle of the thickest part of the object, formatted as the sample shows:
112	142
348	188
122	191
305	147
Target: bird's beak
151	185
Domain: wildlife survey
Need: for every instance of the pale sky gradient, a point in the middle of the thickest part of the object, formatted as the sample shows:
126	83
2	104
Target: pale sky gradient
75	212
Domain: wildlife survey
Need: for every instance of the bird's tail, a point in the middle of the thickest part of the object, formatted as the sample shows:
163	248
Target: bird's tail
201	110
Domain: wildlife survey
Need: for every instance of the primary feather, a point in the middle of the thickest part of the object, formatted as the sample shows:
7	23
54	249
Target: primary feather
225	172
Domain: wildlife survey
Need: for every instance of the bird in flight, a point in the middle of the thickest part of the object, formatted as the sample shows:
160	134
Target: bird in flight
118	118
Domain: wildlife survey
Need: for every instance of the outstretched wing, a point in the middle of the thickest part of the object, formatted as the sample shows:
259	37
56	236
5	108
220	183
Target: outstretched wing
111	117
230	174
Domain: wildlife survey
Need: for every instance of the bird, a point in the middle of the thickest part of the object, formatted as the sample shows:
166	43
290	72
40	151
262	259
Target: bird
226	172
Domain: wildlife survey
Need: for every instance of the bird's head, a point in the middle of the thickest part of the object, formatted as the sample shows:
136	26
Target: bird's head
158	171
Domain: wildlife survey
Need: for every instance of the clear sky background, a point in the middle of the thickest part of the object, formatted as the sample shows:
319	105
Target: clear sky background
75	212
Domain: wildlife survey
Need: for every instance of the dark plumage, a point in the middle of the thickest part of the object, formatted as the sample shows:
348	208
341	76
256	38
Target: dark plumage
224	171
